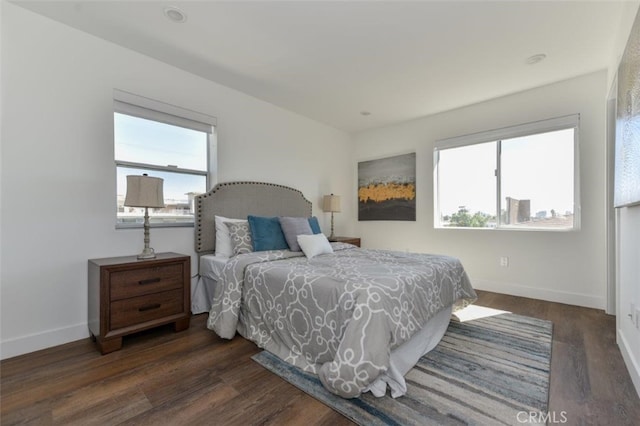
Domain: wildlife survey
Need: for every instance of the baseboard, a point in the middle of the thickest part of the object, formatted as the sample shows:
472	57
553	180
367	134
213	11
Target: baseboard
630	361
568	298
34	342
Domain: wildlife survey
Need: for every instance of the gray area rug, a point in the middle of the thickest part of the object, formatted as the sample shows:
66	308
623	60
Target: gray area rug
484	372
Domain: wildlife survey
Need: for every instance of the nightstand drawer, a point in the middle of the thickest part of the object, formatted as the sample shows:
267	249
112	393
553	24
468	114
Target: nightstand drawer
137	282
137	310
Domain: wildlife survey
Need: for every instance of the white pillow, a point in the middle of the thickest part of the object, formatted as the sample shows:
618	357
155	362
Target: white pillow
313	245
224	248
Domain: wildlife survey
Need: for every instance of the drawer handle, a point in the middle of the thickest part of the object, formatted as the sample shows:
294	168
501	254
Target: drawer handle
149	281
149	307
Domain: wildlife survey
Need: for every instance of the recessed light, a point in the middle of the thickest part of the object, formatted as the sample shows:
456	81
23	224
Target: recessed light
175	15
534	59
365	113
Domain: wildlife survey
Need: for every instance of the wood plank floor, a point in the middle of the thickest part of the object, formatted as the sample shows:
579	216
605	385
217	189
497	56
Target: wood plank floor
193	377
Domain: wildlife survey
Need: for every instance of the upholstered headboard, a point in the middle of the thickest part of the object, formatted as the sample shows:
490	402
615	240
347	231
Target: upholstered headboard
240	199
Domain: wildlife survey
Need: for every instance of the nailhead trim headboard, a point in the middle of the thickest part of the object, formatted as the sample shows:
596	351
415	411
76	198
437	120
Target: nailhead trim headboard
238	200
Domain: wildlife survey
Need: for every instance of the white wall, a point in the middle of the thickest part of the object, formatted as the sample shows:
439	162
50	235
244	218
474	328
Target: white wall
629	9
58	178
628	274
568	267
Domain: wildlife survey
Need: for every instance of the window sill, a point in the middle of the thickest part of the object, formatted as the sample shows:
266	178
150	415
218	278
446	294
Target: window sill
514	228
154	225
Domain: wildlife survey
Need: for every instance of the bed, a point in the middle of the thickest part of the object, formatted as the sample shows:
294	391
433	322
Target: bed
359	319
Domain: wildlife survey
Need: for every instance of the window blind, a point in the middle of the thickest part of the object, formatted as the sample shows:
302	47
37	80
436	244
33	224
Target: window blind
150	109
526	129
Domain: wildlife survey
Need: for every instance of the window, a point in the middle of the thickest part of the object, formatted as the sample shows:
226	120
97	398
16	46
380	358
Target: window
163	141
521	177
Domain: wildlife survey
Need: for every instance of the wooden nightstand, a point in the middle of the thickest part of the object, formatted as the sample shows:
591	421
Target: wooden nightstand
350	240
127	295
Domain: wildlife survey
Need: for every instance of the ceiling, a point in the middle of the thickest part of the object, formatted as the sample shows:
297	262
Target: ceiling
331	61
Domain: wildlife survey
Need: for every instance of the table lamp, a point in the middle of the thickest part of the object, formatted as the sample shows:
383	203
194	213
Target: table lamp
331	203
144	191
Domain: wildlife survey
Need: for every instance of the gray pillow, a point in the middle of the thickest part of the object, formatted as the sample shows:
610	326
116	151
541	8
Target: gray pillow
240	236
292	227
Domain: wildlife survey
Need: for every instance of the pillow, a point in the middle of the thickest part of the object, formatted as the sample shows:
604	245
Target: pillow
315	226
266	233
223	241
313	245
292	227
240	236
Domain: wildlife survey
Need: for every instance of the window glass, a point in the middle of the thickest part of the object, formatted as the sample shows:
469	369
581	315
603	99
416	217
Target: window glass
179	189
467	185
140	140
537	180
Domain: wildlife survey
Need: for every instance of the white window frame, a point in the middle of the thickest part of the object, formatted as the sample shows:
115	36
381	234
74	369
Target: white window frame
497	135
150	109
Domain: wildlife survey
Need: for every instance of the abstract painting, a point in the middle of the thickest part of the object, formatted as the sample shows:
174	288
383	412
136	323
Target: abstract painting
387	188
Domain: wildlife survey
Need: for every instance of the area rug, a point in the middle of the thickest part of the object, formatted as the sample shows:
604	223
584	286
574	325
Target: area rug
486	371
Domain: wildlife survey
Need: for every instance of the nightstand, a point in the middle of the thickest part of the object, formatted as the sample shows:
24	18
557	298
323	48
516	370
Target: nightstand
127	295
349	240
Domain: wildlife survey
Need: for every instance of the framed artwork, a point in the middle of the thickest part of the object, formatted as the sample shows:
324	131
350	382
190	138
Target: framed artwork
387	188
627	157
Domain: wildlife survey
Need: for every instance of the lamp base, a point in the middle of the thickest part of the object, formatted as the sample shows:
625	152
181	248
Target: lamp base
147	253
331	237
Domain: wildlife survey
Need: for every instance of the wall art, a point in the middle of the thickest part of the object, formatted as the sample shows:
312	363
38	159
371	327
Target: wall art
387	188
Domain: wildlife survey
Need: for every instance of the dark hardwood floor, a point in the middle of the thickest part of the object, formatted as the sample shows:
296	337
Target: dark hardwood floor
193	377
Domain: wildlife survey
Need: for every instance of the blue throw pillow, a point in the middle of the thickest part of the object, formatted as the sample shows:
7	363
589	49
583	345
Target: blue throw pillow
266	233
315	226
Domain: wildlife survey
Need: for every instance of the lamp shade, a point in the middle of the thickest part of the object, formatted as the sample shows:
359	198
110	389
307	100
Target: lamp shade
331	203
144	191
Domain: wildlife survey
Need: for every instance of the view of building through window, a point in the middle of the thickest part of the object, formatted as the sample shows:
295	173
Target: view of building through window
176	154
522	182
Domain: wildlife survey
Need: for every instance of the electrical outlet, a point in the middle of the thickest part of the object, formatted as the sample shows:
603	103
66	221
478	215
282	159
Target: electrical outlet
504	261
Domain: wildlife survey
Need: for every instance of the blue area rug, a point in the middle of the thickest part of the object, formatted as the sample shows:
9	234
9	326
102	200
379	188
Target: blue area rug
484	372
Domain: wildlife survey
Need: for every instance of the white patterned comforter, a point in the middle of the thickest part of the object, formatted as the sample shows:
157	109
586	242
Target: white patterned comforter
337	315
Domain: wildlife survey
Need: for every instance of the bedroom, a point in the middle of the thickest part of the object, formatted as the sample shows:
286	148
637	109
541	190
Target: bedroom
64	78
